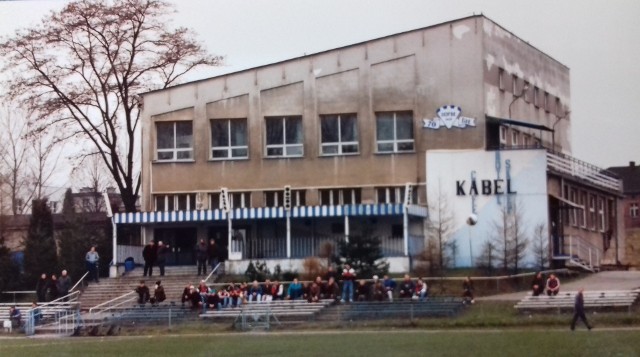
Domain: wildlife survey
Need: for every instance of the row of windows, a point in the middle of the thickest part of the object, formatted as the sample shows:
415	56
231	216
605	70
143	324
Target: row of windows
513	137
595	213
284	136
520	87
342	196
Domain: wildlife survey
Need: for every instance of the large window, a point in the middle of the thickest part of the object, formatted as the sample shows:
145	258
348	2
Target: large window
344	196
394	132
174	140
339	134
394	194
284	137
276	198
236	200
229	139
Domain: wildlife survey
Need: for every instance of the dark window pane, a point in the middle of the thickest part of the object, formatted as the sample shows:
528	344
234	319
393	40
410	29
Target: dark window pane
164	135
405	146
274	131
184	155
184	135
330	149
384	126
348	129
294	131
404	126
350	149
274	151
220	153
219	133
165	155
239	153
329	128
388	147
238	132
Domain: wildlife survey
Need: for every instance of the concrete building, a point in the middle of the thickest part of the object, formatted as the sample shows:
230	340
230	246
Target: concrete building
276	160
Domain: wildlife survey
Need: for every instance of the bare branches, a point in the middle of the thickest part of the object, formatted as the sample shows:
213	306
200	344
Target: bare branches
84	66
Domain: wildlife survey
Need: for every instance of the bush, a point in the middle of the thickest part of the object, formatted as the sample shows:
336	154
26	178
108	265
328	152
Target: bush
313	267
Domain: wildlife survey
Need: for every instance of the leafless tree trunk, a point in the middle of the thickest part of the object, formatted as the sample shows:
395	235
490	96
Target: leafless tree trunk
90	173
439	227
84	67
14	129
510	238
540	245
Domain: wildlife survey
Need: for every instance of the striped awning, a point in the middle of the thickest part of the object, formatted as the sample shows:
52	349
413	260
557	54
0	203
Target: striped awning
267	213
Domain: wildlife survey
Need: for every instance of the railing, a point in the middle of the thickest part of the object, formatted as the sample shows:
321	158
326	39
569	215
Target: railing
79	281
113	303
19	292
59	308
212	272
571	166
585	251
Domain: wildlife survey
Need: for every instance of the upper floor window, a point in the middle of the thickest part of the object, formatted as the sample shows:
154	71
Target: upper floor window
339	134
514	84
236	200
284	137
501	78
634	210
547	102
503	135
536	96
394	132
174	140
342	196
525	92
229	139
515	135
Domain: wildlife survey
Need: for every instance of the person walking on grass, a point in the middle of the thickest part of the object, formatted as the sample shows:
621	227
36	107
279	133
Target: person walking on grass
578	311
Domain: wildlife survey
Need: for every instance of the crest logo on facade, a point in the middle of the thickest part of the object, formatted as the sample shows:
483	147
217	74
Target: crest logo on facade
449	116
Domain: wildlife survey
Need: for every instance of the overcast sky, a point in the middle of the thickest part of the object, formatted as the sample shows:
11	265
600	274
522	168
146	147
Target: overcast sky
598	40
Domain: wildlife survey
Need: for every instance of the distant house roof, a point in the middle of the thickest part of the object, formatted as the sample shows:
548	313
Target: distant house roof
630	176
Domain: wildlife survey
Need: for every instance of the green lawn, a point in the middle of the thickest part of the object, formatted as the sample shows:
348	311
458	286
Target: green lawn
538	342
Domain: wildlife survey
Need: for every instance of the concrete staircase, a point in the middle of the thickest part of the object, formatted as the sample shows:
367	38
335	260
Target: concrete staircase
174	282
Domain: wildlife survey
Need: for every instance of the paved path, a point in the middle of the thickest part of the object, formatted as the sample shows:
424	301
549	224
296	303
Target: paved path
606	280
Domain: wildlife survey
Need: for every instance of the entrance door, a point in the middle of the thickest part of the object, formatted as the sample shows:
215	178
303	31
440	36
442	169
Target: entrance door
181	241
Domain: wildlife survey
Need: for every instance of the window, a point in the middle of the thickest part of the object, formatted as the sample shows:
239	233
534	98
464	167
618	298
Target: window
547	103
526	140
515	135
525	92
276	198
573	197
236	200
344	196
633	210
592	212
514	84
178	202
394	194
394	132
602	225
536	97
174	141
86	205
501	78
339	134
229	139
583	216
284	137
503	135
558	107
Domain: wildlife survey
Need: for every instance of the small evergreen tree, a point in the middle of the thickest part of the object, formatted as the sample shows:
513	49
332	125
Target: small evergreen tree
9	270
364	254
40	253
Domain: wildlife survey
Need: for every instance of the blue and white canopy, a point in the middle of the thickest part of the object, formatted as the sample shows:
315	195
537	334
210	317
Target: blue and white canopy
269	213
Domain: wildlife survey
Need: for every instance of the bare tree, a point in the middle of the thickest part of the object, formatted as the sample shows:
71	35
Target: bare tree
540	245
46	151
510	238
487	258
84	66
91	174
14	128
439	226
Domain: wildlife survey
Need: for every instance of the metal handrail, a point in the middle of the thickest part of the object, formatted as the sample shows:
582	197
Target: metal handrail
79	281
212	271
91	310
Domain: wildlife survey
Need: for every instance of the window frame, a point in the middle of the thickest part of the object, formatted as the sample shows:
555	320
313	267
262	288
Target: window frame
229	148
339	144
174	150
284	146
395	141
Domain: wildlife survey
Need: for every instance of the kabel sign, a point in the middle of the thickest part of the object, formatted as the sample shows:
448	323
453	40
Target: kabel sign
449	116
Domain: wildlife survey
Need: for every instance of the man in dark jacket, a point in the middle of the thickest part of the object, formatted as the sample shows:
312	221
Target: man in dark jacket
163	254
64	284
578	310
150	255
41	288
407	287
202	253
143	293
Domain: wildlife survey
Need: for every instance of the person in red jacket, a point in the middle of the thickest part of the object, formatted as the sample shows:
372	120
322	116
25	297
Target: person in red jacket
348	276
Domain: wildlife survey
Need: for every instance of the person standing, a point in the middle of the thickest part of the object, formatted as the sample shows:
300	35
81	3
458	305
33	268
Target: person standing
149	254
468	291
92	258
64	284
163	253
202	253
41	288
213	254
53	288
578	311
348	276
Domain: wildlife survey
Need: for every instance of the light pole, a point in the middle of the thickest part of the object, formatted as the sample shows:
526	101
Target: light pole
471	221
553	130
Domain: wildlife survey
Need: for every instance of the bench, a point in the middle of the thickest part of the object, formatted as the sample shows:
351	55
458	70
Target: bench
296	308
592	300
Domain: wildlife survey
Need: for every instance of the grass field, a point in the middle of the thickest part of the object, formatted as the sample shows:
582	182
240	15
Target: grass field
493	343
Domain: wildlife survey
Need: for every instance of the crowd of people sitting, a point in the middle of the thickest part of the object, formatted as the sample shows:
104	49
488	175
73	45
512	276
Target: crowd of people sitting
322	288
540	286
